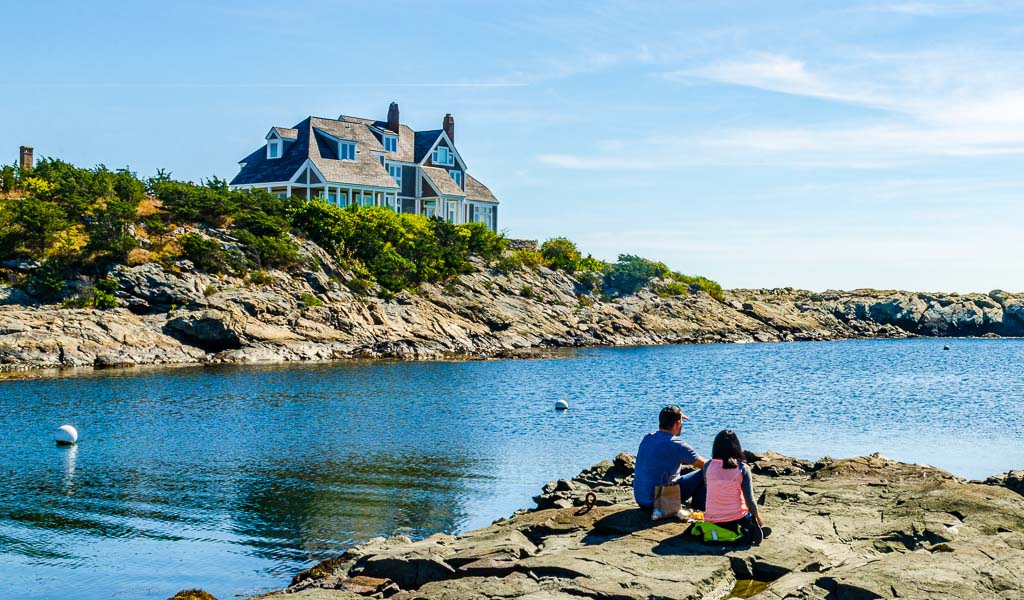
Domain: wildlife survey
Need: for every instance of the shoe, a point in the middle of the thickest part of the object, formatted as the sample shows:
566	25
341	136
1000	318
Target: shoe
766	531
756	535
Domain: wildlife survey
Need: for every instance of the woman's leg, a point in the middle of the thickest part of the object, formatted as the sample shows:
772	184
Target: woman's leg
692	490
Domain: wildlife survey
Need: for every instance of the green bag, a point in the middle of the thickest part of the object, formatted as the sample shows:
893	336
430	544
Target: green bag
709	533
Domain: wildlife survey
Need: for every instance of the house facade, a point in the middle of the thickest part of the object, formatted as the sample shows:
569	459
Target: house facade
351	160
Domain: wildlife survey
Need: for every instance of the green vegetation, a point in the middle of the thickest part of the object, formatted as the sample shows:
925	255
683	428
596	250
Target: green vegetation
626	276
80	222
310	300
398	251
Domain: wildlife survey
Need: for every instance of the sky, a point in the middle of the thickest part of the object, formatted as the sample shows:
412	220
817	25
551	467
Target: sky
820	145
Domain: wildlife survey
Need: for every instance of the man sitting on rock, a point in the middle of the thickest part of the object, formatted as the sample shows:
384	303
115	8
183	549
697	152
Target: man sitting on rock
659	461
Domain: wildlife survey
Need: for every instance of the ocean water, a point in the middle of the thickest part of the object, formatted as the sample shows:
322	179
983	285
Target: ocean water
234	478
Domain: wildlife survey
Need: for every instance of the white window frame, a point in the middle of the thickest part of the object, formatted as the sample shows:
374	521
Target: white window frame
272	146
449	156
390	143
343	150
395	168
456	176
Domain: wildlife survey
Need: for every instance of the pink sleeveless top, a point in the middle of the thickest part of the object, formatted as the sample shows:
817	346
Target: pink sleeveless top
725	500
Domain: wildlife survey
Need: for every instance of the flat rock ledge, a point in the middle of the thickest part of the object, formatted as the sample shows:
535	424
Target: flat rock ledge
858	528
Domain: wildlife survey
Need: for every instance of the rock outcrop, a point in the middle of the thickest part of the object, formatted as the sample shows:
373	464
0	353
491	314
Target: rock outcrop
864	527
176	315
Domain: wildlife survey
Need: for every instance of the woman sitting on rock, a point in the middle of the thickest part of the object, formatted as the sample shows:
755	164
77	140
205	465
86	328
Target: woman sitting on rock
730	493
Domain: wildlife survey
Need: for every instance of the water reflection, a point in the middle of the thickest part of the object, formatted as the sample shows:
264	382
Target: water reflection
306	510
70	457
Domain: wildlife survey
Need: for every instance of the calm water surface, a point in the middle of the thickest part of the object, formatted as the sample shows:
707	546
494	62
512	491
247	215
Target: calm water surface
233	479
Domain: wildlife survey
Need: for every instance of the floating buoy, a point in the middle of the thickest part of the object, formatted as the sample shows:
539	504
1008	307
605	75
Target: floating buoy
561	405
66	435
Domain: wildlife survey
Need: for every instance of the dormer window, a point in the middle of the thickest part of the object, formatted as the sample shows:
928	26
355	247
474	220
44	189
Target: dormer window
274	147
390	143
346	150
456	175
443	156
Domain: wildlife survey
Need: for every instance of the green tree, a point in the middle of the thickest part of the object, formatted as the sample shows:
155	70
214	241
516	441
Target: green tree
36	224
630	273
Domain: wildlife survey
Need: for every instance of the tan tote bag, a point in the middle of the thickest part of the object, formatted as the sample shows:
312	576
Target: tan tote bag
667	501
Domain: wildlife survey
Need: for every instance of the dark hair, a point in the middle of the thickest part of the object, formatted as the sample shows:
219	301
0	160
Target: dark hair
669	416
727	448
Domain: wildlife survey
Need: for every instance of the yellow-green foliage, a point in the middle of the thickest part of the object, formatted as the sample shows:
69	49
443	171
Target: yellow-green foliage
398	250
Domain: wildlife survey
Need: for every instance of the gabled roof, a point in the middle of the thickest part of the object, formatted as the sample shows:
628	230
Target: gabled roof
365	170
425	141
286	133
442	181
478	191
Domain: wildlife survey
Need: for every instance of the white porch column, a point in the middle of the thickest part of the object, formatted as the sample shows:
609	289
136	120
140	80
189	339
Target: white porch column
289	191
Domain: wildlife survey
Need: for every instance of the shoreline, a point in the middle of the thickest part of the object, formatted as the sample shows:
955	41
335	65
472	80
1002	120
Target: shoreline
930	522
16	373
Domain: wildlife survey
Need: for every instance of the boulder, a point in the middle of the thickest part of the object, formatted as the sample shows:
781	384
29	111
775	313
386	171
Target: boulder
210	329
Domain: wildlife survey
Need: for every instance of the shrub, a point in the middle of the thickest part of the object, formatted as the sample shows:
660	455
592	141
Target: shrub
592	264
712	288
209	290
589	280
527	292
483	242
259	278
358	286
310	300
674	288
205	253
47	282
631	273
561	253
103	293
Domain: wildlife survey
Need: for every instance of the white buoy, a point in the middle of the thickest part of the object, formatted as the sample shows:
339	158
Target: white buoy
66	435
561	405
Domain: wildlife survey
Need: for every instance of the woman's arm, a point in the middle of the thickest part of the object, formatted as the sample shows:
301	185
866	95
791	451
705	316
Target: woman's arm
748	493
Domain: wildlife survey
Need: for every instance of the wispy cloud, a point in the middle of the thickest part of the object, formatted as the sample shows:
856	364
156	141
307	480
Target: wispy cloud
922	105
935	9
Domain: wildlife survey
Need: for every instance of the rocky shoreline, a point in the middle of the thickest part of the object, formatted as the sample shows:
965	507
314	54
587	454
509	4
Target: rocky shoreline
177	315
858	528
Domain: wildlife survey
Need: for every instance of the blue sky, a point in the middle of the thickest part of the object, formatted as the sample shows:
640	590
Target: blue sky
810	144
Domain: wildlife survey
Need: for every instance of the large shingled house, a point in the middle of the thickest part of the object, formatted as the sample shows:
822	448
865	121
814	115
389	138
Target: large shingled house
350	160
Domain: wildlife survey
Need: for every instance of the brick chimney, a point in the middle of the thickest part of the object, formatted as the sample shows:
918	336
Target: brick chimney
25	161
449	126
393	117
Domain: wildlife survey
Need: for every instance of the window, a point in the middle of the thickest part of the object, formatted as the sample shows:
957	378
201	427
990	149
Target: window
395	171
457	176
443	156
390	143
274	149
452	211
346	151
